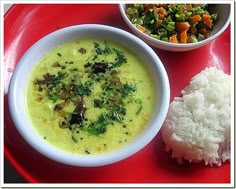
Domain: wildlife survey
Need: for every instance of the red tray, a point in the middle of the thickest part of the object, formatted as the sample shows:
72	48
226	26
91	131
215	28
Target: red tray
25	24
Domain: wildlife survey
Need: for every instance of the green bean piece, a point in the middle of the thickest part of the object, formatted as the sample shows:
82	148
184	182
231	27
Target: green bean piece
193	39
204	6
200	37
214	17
164	22
137	21
155	36
188	14
133	12
169	19
172	9
170	26
165	39
200	12
162	32
180	17
194	10
179	8
139	7
171	23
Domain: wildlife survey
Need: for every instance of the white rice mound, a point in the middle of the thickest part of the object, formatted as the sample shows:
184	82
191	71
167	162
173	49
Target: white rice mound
197	126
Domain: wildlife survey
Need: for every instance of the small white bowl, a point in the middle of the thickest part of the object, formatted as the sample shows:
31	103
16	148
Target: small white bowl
17	92
223	11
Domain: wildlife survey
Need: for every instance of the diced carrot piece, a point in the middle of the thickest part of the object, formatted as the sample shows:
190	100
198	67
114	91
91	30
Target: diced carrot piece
163	11
161	16
208	23
206	17
182	26
173	39
207	20
187	7
204	31
156	10
183	37
196	18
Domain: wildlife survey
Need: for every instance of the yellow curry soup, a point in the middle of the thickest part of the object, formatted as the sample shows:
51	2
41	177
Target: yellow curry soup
90	96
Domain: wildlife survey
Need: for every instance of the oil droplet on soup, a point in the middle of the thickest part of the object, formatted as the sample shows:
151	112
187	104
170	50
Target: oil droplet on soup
90	96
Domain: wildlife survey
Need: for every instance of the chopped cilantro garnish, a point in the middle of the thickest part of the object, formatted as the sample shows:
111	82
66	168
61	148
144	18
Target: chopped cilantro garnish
100	51
53	96
70	86
59	54
121	59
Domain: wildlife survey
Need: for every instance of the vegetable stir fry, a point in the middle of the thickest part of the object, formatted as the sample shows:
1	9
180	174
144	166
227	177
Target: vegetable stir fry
175	23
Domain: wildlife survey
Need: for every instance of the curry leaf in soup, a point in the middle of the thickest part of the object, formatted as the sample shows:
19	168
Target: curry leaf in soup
53	96
120	59
128	89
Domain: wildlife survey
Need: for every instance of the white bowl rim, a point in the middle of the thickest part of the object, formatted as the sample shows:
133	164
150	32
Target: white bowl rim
94	160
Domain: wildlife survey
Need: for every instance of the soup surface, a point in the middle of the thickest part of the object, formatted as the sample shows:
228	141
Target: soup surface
90	96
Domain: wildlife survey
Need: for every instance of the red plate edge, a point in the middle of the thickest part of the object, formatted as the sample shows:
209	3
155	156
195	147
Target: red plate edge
18	167
7	154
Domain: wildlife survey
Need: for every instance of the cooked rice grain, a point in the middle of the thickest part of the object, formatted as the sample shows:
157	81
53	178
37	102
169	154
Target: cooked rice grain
197	127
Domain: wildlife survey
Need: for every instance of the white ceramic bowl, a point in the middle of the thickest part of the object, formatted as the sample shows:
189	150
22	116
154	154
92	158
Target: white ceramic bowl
223	11
17	92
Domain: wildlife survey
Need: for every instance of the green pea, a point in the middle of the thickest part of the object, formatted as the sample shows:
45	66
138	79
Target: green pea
162	32
214	17
155	36
188	14
165	39
170	27
133	12
137	21
193	39
139	7
204	6
180	17
200	37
